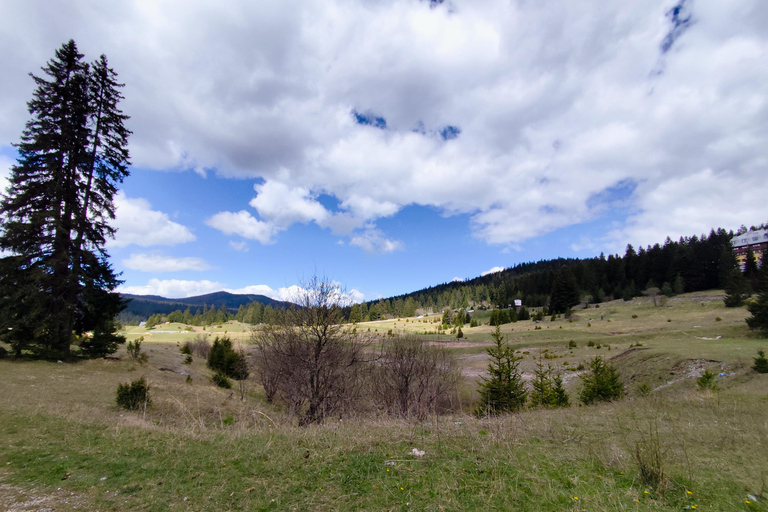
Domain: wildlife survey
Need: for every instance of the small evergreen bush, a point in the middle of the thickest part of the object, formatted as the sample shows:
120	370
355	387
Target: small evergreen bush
134	350
601	384
761	363
133	396
707	381
225	359
221	380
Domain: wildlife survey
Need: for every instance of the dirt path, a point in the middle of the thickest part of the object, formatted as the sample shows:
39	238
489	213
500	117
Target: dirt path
15	499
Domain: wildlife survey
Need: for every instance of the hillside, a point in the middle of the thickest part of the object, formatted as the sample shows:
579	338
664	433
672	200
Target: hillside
66	446
144	306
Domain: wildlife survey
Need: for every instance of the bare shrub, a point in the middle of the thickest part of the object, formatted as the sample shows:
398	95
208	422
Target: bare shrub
649	457
412	379
200	346
306	360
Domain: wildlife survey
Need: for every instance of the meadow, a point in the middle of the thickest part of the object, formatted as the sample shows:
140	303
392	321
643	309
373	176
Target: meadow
64	445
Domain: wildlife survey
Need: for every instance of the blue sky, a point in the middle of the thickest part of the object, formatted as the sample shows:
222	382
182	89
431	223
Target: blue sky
397	144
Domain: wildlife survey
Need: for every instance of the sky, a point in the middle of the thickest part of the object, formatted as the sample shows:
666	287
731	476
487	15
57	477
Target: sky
391	145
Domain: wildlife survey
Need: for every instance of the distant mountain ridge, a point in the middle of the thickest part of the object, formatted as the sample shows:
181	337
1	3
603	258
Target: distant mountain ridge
145	306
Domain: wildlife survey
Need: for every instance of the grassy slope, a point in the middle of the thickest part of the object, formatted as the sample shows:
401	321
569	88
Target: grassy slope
199	443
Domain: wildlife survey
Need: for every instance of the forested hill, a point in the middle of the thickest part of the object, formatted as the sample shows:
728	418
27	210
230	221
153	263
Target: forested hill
689	264
141	307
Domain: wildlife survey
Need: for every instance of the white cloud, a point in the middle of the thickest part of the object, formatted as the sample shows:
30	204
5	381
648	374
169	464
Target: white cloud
259	289
457	280
281	206
162	263
356	296
5	172
492	270
173	288
556	104
244	224
138	224
373	241
241	246
294	293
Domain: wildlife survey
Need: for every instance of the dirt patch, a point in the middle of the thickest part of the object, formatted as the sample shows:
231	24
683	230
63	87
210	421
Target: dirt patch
456	344
688	369
16	499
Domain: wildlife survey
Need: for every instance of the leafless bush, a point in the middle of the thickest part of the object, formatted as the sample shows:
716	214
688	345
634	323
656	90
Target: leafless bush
649	457
200	346
305	359
412	379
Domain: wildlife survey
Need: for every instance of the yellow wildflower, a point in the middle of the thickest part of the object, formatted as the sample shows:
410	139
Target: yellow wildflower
576	498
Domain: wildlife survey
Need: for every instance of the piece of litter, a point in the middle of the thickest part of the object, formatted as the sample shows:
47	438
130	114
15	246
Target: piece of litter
417	452
102	478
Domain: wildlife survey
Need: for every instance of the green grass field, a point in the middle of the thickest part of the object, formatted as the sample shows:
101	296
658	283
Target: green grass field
64	445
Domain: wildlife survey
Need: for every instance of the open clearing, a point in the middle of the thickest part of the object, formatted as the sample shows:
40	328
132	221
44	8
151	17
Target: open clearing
64	445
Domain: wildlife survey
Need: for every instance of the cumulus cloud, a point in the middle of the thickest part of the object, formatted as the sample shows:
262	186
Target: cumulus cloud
137	223
281	206
356	296
373	241
244	224
520	115
161	263
492	270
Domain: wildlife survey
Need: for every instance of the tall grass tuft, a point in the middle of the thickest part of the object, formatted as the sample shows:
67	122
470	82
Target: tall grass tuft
649	458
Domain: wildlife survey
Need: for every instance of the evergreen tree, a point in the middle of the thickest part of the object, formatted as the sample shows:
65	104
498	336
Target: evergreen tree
751	271
678	286
542	385
57	283
759	306
504	391
558	390
548	390
601	384
355	314
565	291
761	363
737	289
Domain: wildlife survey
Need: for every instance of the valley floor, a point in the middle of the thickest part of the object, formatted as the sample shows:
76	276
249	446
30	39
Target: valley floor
64	445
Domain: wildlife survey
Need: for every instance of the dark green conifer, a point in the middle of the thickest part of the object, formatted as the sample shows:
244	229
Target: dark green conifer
57	283
504	390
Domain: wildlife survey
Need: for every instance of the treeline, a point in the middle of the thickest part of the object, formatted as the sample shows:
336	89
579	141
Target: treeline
252	313
690	264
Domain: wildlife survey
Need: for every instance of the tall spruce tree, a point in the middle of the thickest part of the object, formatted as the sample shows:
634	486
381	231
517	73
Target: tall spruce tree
565	291
56	284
